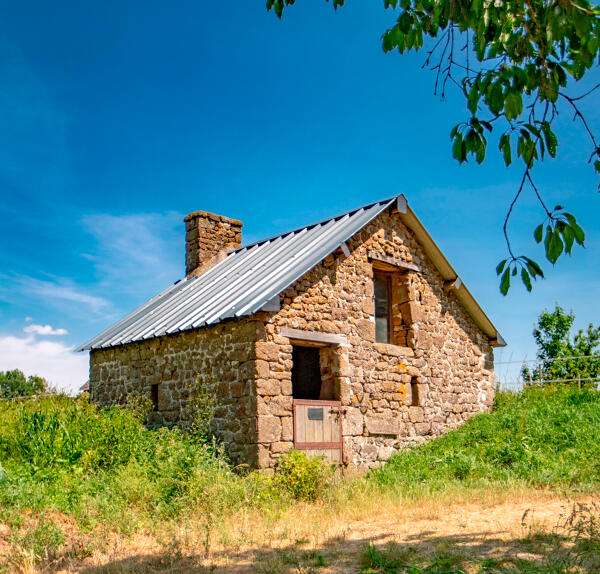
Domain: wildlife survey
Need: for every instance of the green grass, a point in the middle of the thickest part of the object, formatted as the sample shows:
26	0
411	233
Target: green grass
541	437
103	467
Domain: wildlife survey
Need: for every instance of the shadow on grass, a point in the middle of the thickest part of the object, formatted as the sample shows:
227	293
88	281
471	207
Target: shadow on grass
535	553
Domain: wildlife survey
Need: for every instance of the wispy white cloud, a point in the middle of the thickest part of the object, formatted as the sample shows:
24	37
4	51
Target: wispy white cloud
64	290
44	330
55	292
137	253
55	362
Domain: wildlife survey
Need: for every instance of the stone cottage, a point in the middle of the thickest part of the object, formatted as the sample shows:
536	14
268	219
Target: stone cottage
351	337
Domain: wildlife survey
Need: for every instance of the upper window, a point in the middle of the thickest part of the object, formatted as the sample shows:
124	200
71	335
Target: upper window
382	307
393	308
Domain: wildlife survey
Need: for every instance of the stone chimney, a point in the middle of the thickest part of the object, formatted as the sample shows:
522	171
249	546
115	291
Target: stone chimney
209	238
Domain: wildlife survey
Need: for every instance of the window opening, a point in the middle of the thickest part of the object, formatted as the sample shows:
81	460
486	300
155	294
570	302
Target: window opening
414	393
154	396
306	372
382	307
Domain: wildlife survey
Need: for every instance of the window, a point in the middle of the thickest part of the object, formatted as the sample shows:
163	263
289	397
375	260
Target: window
414	393
382	307
154	396
395	306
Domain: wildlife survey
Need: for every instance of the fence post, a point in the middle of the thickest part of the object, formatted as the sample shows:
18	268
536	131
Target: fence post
540	374
579	380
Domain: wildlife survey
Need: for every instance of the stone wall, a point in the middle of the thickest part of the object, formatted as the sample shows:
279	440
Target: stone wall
217	359
445	361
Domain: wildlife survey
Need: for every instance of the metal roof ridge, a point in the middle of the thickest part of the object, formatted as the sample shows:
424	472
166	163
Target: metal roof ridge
321	222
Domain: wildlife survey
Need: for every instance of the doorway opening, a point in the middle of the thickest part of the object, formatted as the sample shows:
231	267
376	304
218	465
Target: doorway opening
306	373
315	372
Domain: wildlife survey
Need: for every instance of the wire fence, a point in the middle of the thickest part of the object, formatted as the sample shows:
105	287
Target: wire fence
578	370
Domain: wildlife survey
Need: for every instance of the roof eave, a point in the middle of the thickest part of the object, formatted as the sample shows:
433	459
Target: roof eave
435	255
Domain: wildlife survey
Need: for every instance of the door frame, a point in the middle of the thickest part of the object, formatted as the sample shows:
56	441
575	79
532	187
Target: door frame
320	445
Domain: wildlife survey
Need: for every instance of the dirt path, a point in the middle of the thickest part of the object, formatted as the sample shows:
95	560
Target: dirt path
466	534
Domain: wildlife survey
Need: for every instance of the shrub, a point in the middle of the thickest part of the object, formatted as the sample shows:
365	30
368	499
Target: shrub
15	384
303	477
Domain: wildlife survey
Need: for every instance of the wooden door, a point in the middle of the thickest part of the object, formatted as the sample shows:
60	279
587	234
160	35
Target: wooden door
318	428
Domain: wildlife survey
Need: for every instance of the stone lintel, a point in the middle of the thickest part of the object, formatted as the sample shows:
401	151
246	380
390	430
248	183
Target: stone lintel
388	263
385	426
313	336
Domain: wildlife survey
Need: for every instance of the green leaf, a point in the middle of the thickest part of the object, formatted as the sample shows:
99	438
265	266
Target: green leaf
534	268
505	281
513	105
597	165
481	152
538	232
495	98
579	234
500	266
568	237
550	138
555	247
458	149
505	147
526	279
473	97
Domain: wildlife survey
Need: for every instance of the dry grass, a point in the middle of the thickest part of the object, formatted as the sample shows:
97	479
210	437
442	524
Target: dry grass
468	527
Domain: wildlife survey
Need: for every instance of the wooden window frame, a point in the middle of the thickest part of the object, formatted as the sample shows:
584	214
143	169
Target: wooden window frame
388	280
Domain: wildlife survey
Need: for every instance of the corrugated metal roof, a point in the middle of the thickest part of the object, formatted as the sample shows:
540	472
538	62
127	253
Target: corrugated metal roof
240	284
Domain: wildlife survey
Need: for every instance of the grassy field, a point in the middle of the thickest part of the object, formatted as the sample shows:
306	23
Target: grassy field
83	488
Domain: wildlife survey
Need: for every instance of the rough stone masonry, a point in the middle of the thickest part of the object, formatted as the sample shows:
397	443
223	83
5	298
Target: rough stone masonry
437	373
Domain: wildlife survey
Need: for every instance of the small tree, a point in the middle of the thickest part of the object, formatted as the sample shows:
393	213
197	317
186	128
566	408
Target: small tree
15	384
552	335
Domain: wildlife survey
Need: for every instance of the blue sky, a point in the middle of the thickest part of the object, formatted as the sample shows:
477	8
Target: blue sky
118	118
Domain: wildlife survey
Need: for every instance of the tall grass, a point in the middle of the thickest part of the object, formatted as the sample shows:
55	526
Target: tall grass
104	468
542	437
104	464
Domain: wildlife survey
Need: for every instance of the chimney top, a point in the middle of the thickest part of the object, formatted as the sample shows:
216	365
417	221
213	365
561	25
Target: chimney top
212	217
209	238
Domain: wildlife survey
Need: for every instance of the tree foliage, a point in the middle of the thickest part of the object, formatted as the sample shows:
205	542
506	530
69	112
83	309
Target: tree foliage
515	62
16	384
581	353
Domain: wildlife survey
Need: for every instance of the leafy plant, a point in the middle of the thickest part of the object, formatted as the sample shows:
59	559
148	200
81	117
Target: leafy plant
514	63
303	477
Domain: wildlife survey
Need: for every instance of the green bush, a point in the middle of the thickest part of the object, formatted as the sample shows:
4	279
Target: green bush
303	477
15	384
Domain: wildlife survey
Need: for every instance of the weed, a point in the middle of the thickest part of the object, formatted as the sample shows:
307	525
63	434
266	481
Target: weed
303	477
42	541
